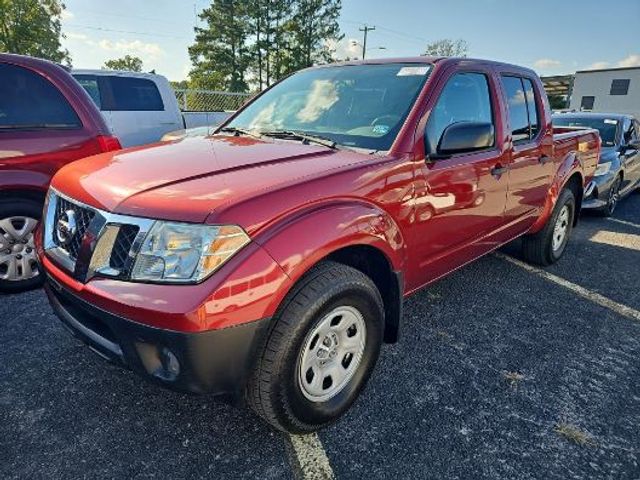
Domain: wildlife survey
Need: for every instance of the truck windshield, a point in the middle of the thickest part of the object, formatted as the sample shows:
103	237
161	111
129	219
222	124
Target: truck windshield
361	106
607	127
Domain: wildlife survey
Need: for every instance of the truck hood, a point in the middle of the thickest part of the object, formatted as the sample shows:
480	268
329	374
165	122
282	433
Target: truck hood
188	179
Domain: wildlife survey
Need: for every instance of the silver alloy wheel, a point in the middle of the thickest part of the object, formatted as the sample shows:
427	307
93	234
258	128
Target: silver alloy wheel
18	259
331	353
561	228
614	196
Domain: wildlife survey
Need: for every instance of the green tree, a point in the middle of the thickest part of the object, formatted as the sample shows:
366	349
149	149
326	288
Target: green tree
313	25
32	27
126	63
221	53
447	48
179	85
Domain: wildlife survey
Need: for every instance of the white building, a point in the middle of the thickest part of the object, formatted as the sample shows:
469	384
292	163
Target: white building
611	90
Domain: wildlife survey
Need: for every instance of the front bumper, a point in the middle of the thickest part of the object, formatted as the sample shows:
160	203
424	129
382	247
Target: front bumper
217	361
597	192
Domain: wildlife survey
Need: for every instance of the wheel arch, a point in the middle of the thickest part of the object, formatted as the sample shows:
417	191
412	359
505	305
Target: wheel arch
357	235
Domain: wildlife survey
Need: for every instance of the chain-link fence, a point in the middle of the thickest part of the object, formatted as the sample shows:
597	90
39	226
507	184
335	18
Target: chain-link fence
209	100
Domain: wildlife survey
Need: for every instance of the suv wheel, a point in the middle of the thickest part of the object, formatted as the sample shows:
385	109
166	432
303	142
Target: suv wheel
320	351
19	269
548	245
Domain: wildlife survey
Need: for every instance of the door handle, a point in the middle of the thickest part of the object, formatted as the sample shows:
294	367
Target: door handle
543	159
498	170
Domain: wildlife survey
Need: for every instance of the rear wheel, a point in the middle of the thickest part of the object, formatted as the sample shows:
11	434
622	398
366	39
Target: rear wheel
548	245
19	269
321	350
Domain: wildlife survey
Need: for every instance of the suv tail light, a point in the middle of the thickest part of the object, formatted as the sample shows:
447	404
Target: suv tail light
108	143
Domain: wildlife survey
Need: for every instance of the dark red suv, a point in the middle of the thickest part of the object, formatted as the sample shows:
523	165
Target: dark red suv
46	121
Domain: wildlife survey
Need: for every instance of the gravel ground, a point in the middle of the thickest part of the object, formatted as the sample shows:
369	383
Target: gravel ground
493	361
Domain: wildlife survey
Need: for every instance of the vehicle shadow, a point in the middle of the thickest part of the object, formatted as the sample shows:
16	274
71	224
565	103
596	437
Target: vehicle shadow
492	361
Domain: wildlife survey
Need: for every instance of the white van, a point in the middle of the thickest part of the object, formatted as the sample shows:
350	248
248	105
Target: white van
138	107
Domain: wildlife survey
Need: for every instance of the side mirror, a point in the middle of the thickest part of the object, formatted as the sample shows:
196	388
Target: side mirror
632	145
465	137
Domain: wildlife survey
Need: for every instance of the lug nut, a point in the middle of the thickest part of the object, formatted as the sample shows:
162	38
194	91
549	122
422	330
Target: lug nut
29	250
18	257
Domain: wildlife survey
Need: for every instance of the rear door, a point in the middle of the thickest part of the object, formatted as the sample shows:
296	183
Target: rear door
460	200
530	166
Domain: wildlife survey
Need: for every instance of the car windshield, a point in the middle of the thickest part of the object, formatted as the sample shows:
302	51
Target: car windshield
362	106
608	127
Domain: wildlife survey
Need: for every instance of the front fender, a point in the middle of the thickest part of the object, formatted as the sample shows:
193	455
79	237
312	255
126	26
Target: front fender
300	242
570	166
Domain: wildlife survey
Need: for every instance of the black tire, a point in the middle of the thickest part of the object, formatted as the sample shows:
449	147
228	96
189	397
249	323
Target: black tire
613	198
274	391
20	208
538	247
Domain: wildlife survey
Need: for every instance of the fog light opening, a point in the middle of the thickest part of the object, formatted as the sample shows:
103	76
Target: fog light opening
170	363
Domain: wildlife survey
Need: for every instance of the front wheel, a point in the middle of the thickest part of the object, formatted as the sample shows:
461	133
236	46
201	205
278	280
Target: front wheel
19	269
547	246
612	198
320	351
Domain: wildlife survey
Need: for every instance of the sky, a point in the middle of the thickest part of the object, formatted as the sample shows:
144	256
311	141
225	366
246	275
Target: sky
551	36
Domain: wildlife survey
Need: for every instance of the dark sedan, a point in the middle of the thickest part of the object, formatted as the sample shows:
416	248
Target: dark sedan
618	172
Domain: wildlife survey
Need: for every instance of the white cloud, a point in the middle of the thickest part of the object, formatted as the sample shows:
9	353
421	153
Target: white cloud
345	48
76	36
546	63
67	15
631	61
598	66
146	51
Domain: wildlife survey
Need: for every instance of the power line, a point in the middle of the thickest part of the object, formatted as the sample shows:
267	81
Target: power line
102	29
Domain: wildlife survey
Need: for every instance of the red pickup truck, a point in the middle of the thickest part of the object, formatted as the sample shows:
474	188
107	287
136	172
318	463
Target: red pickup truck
46	121
270	260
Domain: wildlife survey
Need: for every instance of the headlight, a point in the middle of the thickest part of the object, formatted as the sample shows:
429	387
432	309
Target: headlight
603	168
187	253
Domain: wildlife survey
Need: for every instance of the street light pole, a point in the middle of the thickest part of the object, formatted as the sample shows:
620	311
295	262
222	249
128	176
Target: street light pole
366	29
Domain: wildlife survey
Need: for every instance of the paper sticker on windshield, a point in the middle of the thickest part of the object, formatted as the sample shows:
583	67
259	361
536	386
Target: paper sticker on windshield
408	71
610	122
380	129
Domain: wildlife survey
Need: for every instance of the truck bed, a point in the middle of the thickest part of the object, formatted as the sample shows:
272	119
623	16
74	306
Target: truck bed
585	142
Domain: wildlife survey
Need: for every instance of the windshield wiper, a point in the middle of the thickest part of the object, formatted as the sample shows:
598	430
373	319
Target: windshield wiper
239	131
304	137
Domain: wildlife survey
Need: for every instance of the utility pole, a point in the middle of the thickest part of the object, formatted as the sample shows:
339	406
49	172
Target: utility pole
366	29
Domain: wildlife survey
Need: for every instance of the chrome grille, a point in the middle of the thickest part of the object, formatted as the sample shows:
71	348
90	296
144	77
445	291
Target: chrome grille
122	247
102	243
83	217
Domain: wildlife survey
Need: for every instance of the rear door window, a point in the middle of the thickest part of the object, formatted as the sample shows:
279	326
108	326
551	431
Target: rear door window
517	103
90	84
130	94
30	101
532	107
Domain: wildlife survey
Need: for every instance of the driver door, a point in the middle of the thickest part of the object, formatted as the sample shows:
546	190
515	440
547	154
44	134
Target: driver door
460	199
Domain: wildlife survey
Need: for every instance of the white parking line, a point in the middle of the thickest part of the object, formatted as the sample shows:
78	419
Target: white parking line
623	222
312	461
594	297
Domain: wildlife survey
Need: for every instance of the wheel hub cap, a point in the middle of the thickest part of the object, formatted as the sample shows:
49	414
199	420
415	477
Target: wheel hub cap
561	228
331	354
17	250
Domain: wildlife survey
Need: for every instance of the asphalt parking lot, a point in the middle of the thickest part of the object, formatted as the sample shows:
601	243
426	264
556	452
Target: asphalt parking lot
501	373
